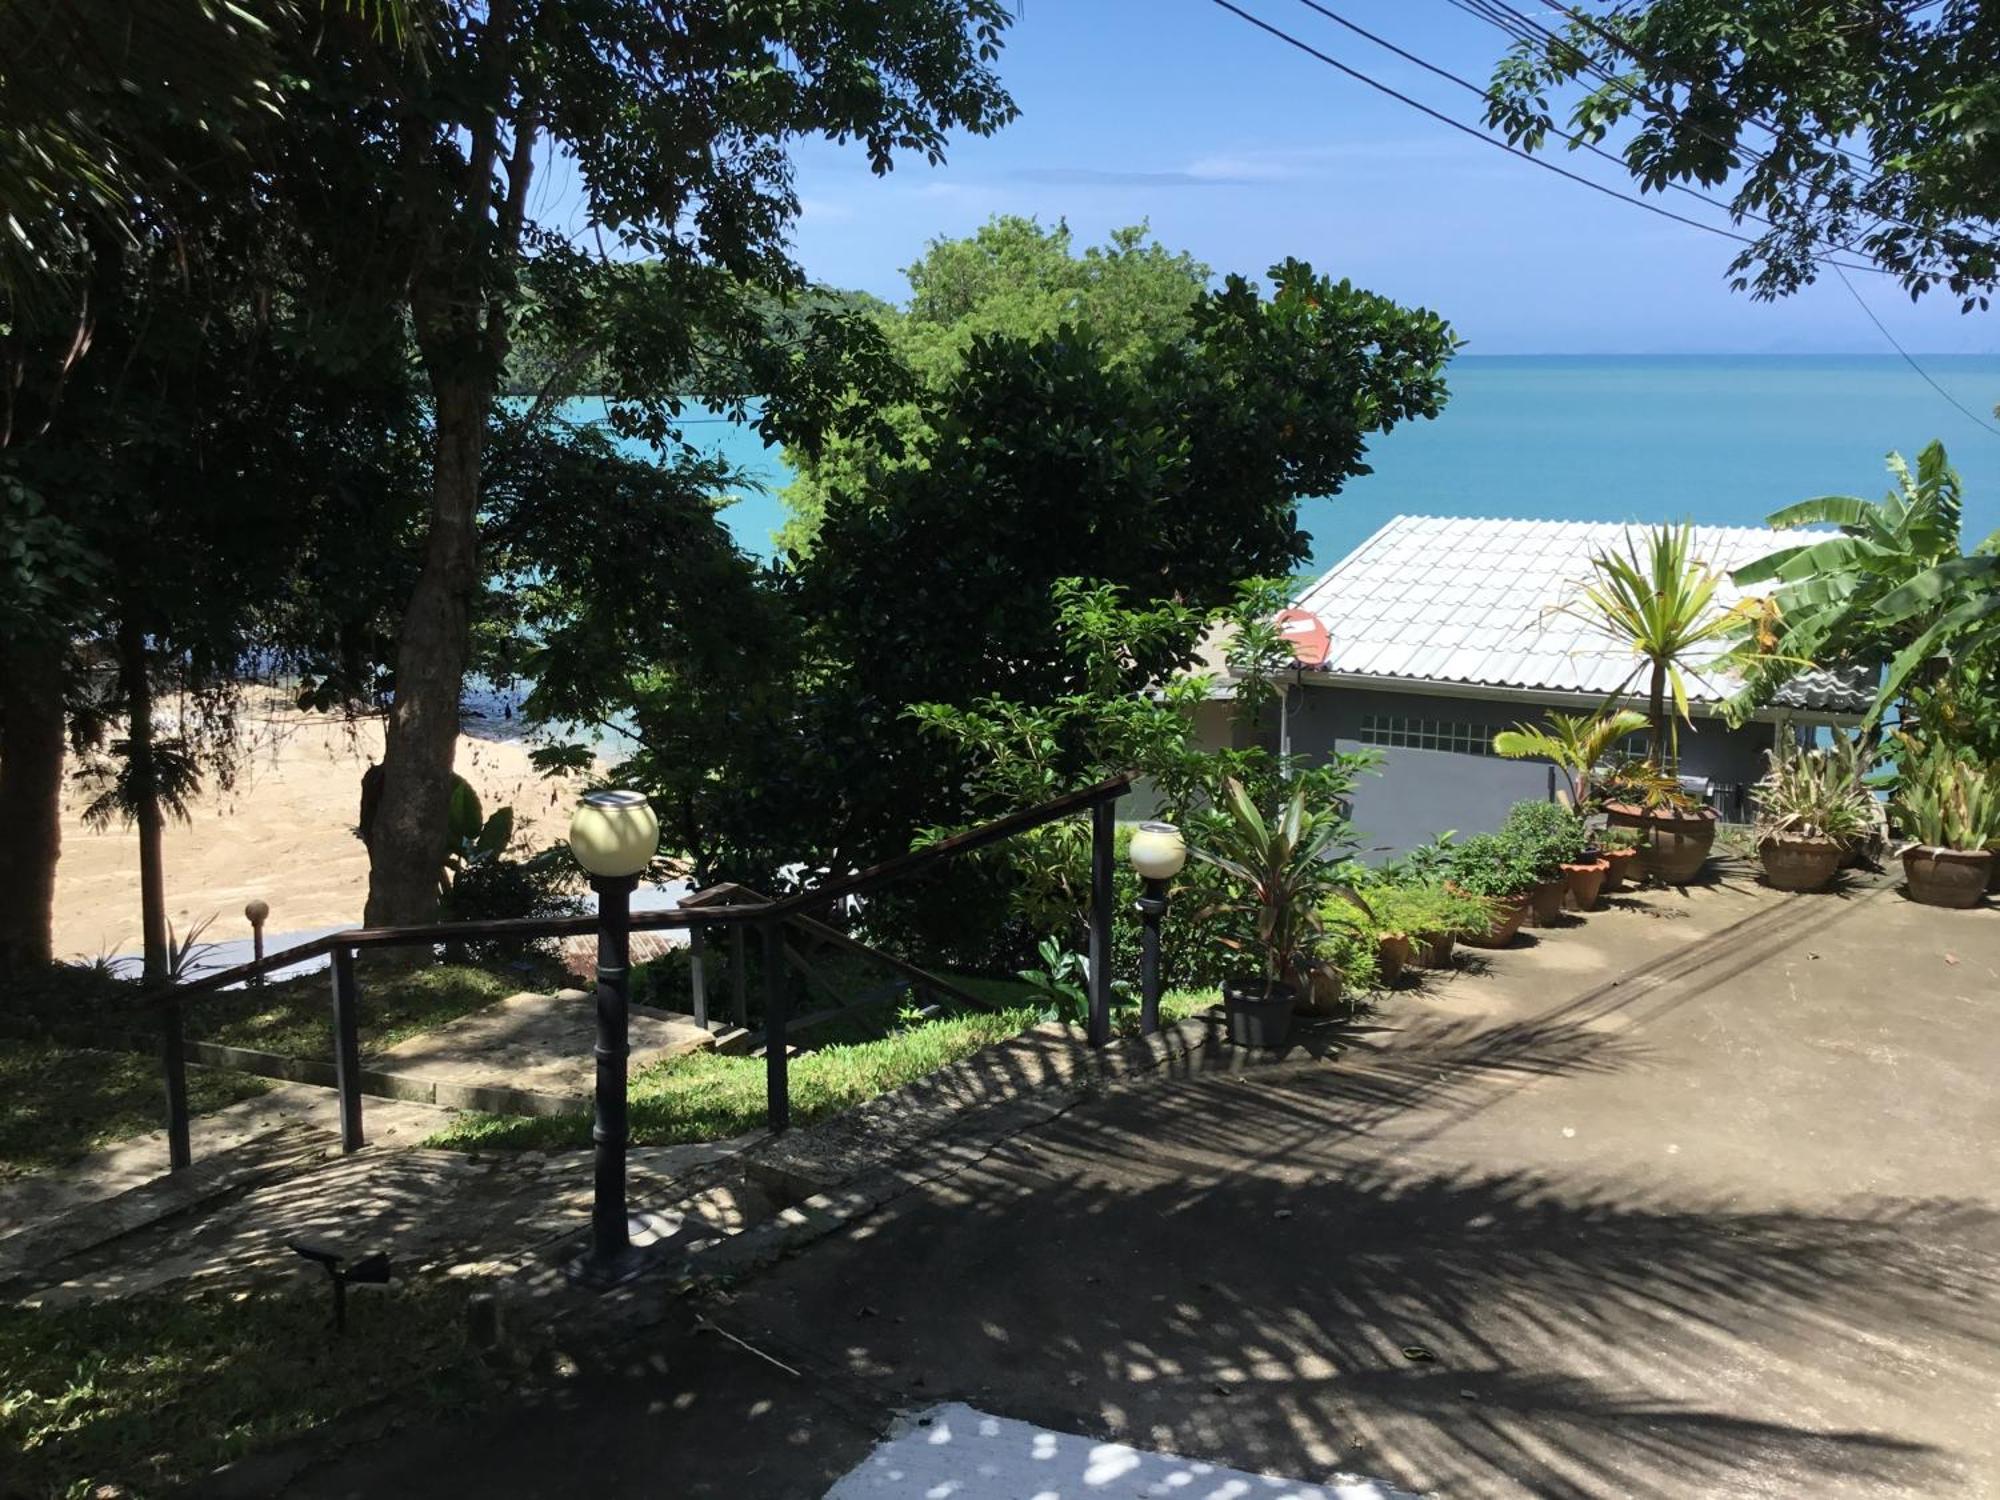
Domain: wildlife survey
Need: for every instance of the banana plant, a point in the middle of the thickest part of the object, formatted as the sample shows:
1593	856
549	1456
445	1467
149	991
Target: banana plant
1577	743
1892	586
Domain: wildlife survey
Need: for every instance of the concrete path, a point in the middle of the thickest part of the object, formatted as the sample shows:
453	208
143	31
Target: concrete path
1694	1198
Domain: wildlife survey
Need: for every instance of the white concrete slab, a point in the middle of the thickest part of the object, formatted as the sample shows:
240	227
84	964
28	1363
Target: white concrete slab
954	1452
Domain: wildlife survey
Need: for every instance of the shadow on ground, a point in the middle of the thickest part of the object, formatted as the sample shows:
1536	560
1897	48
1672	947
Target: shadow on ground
1263	1268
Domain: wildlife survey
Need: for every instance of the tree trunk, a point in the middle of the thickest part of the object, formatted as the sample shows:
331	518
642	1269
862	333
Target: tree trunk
31	773
1657	711
145	785
406	845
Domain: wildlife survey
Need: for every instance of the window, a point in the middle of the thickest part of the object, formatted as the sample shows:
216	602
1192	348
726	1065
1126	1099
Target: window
1401	732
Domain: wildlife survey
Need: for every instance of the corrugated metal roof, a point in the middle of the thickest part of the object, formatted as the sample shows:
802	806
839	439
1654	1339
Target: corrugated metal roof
1483	601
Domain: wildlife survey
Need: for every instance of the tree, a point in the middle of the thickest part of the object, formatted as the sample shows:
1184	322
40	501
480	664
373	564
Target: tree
1892	588
1658	599
1838	128
200	498
677	116
1009	278
1170	477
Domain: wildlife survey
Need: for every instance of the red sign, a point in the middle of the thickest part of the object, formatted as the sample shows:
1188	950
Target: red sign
1309	641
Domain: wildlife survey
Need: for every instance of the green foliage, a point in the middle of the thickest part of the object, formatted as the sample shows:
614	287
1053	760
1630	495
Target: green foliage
1617	839
1280	872
1768	101
1656	598
1944	803
1353	955
1635	781
1576	743
1010	278
1402	908
147	1394
1547	833
58	1103
291	1016
1817	793
1892	587
1496	866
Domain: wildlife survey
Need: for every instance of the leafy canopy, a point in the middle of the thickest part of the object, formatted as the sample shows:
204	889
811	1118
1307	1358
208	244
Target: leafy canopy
1835	128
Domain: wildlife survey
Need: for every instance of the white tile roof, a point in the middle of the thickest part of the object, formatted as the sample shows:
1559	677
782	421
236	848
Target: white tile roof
1481	601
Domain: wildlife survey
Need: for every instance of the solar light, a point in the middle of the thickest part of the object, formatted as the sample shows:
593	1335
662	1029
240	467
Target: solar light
614	835
1158	851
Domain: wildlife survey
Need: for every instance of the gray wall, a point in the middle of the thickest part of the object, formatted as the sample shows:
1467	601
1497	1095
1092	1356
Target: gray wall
1419	793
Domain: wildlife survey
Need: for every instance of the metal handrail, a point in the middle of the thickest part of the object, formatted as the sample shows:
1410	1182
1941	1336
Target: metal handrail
859	883
769	915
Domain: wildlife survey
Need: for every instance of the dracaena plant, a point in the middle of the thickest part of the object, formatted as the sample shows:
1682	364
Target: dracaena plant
1282	874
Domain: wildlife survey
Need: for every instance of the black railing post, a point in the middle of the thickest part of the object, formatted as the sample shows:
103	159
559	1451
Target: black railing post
739	978
347	1047
173	1064
1103	825
1152	905
777	1067
698	974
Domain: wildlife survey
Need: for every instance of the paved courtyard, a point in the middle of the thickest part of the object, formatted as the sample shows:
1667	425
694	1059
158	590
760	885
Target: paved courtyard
1693	1198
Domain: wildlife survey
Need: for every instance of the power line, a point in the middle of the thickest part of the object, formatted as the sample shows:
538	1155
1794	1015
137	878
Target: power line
1575	140
1910	359
1490	140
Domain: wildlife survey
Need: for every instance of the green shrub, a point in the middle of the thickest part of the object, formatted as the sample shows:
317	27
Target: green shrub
1496	866
1547	833
1408	908
1353	955
1617	838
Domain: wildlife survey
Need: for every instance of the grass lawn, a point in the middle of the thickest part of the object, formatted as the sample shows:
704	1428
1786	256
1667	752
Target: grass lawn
151	1392
295	1016
58	1103
705	1096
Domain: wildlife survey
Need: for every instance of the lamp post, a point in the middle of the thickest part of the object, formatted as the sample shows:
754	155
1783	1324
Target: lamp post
258	911
1158	853
614	836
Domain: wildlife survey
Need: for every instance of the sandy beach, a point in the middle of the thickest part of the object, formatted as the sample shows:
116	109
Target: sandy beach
283	832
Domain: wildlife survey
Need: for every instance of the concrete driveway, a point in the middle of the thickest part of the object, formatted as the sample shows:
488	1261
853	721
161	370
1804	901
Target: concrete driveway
1695	1198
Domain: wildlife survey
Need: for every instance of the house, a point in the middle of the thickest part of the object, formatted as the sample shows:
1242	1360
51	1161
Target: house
1440	631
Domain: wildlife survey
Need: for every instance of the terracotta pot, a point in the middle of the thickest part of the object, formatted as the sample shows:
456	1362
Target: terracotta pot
1584	881
1433	950
1796	863
1507	921
1673	846
1993	872
1545	902
1393	952
1947	877
1622	866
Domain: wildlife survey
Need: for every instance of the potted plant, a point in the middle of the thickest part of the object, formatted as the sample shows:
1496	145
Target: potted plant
1673	829
1496	869
1553	837
1811	808
1415	923
1619	848
1950	812
1657	599
1283	876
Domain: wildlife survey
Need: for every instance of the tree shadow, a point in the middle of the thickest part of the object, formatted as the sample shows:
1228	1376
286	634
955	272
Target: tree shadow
1235	1273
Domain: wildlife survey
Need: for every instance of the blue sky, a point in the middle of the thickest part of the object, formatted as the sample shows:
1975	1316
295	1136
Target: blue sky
1243	151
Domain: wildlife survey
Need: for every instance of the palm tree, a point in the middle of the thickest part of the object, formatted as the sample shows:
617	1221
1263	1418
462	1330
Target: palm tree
1657	597
1575	742
1891	587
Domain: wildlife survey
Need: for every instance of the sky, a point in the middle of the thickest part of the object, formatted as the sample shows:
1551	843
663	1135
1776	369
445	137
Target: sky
1243	151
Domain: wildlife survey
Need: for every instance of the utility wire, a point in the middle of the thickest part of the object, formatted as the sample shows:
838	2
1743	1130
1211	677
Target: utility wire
1575	140
1491	140
1910	359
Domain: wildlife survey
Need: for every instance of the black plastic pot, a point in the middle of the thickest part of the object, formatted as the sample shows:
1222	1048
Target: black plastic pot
1258	1016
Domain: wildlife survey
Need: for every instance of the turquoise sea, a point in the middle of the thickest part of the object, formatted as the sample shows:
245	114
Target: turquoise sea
1723	439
